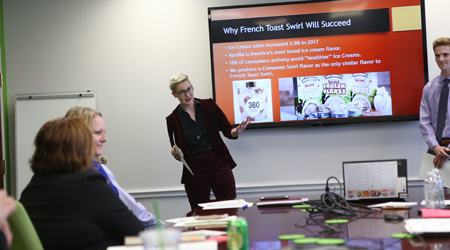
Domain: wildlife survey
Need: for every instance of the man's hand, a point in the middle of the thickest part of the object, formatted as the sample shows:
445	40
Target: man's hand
442	155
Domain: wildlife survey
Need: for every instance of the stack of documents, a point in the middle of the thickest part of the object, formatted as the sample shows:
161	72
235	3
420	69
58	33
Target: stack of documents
394	205
447	203
425	226
239	203
195	222
201	245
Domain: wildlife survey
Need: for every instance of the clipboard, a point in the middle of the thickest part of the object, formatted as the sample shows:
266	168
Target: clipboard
177	149
427	165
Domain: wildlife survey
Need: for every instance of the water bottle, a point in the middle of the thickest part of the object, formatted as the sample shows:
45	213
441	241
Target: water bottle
440	188
430	190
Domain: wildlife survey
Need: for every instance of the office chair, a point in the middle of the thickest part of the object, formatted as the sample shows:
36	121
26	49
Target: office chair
24	233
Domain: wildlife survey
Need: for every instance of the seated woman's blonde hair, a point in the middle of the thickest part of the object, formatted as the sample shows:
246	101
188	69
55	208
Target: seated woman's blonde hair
63	145
85	113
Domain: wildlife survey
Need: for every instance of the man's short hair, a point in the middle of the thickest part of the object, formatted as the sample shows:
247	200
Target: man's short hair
443	41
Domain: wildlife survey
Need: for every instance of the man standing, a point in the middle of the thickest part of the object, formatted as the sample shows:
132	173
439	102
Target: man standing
434	122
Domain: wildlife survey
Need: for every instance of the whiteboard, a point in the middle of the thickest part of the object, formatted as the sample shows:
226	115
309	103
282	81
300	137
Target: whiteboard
32	111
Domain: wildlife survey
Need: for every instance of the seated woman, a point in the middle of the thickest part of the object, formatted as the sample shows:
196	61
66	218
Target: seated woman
96	123
70	206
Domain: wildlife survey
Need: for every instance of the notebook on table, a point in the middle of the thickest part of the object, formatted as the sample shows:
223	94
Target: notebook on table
377	180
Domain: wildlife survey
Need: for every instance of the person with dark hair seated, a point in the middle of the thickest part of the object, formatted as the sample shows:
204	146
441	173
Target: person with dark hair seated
71	206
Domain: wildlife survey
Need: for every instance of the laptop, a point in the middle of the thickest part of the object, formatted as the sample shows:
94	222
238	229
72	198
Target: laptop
378	180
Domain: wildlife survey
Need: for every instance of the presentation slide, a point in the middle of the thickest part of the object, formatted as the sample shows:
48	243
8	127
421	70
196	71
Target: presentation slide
318	61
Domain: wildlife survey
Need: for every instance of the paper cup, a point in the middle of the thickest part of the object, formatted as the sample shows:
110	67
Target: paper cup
158	239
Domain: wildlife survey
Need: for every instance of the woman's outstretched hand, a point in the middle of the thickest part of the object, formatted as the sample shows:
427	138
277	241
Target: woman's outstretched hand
241	127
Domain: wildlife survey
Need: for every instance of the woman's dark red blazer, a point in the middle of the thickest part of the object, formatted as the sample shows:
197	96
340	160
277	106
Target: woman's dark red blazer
215	121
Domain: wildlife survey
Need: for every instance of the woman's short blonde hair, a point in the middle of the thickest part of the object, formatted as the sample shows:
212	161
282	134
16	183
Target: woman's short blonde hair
87	114
176	79
63	145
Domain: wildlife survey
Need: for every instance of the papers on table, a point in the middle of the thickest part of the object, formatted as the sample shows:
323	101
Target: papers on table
201	245
281	202
179	222
394	205
140	247
207	233
447	203
421	226
427	166
238	203
202	223
189	236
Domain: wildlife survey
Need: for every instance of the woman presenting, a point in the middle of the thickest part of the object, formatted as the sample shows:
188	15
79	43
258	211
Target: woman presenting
194	126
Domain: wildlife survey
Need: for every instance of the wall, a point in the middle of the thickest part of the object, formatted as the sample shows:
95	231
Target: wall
126	50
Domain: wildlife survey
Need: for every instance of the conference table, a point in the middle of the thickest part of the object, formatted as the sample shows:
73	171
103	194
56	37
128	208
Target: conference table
362	231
